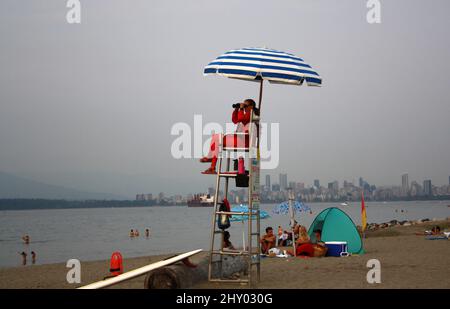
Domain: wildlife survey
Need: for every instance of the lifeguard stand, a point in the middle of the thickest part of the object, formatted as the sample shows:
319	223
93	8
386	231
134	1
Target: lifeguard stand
249	253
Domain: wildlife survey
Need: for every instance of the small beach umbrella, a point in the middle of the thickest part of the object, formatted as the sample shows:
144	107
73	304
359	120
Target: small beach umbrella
290	207
283	208
259	64
244	208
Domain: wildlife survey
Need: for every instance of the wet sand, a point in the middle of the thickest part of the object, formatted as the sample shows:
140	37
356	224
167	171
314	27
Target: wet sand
407	261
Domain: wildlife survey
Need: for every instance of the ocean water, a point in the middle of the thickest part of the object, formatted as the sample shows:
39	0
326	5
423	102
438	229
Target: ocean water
93	234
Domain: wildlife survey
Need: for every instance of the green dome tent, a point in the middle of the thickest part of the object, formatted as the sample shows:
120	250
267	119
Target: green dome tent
336	225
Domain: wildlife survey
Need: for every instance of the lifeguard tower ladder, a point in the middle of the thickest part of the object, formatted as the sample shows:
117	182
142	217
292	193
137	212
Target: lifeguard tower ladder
250	254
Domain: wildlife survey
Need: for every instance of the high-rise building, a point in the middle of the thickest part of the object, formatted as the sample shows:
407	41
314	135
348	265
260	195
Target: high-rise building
334	186
300	186
275	187
292	185
211	191
268	182
427	188
405	184
449	180
361	182
316	183
283	182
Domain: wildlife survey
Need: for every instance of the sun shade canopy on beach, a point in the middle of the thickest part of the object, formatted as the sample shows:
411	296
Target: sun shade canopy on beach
264	64
283	208
244	208
336	225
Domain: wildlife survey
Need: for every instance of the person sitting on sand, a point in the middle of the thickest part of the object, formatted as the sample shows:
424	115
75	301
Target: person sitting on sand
304	247
147	233
226	241
268	240
282	240
136	233
33	257
24	258
132	233
436	230
318	237
296	227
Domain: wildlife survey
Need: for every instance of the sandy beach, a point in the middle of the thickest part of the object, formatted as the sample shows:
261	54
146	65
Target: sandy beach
407	261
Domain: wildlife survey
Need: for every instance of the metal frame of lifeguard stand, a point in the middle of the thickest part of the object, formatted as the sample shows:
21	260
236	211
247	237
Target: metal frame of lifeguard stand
253	162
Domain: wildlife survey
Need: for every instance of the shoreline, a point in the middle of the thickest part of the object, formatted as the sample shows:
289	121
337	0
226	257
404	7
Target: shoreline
407	261
140	204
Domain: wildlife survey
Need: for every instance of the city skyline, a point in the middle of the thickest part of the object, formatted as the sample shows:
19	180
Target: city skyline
334	191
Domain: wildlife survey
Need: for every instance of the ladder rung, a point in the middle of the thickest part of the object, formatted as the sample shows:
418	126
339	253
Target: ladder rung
237	213
255	234
245	149
217	232
225	174
228	280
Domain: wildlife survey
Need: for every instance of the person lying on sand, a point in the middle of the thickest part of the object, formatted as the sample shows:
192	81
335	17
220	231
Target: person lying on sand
132	233
435	230
268	240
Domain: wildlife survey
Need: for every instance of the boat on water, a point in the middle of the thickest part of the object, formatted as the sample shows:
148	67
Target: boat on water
201	200
344	204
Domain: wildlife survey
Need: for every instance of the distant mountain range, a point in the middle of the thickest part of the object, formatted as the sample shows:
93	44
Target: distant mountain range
17	187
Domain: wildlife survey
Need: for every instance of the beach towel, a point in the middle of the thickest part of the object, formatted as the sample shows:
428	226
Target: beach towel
436	238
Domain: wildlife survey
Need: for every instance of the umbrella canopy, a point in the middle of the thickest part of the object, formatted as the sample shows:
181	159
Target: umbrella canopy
244	208
264	64
283	208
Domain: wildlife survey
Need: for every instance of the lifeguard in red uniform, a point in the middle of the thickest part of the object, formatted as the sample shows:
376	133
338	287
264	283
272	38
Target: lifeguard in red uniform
241	117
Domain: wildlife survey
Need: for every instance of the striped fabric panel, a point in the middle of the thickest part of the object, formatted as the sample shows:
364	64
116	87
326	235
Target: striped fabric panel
268	64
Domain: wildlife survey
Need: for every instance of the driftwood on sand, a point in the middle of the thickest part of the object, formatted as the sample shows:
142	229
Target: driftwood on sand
182	276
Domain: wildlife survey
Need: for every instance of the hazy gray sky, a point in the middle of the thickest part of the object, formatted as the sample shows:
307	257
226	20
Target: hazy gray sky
91	105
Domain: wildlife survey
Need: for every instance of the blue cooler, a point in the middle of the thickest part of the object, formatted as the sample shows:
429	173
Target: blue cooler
336	248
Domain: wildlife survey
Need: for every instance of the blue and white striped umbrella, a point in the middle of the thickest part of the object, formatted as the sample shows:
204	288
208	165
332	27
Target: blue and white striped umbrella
283	208
264	64
244	208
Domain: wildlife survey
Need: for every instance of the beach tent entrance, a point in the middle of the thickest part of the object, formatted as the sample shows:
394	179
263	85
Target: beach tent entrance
336	225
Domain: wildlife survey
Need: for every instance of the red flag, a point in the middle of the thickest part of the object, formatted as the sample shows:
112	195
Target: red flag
363	213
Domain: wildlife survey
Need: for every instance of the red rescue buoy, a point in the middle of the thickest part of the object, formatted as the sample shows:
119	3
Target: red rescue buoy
116	266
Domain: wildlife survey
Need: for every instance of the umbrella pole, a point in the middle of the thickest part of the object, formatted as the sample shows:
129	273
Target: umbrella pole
291	211
260	95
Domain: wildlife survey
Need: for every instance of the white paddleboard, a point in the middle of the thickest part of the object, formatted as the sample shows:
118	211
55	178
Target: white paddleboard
139	271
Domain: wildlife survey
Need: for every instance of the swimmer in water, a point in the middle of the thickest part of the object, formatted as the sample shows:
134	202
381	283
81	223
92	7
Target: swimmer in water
24	258
26	239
